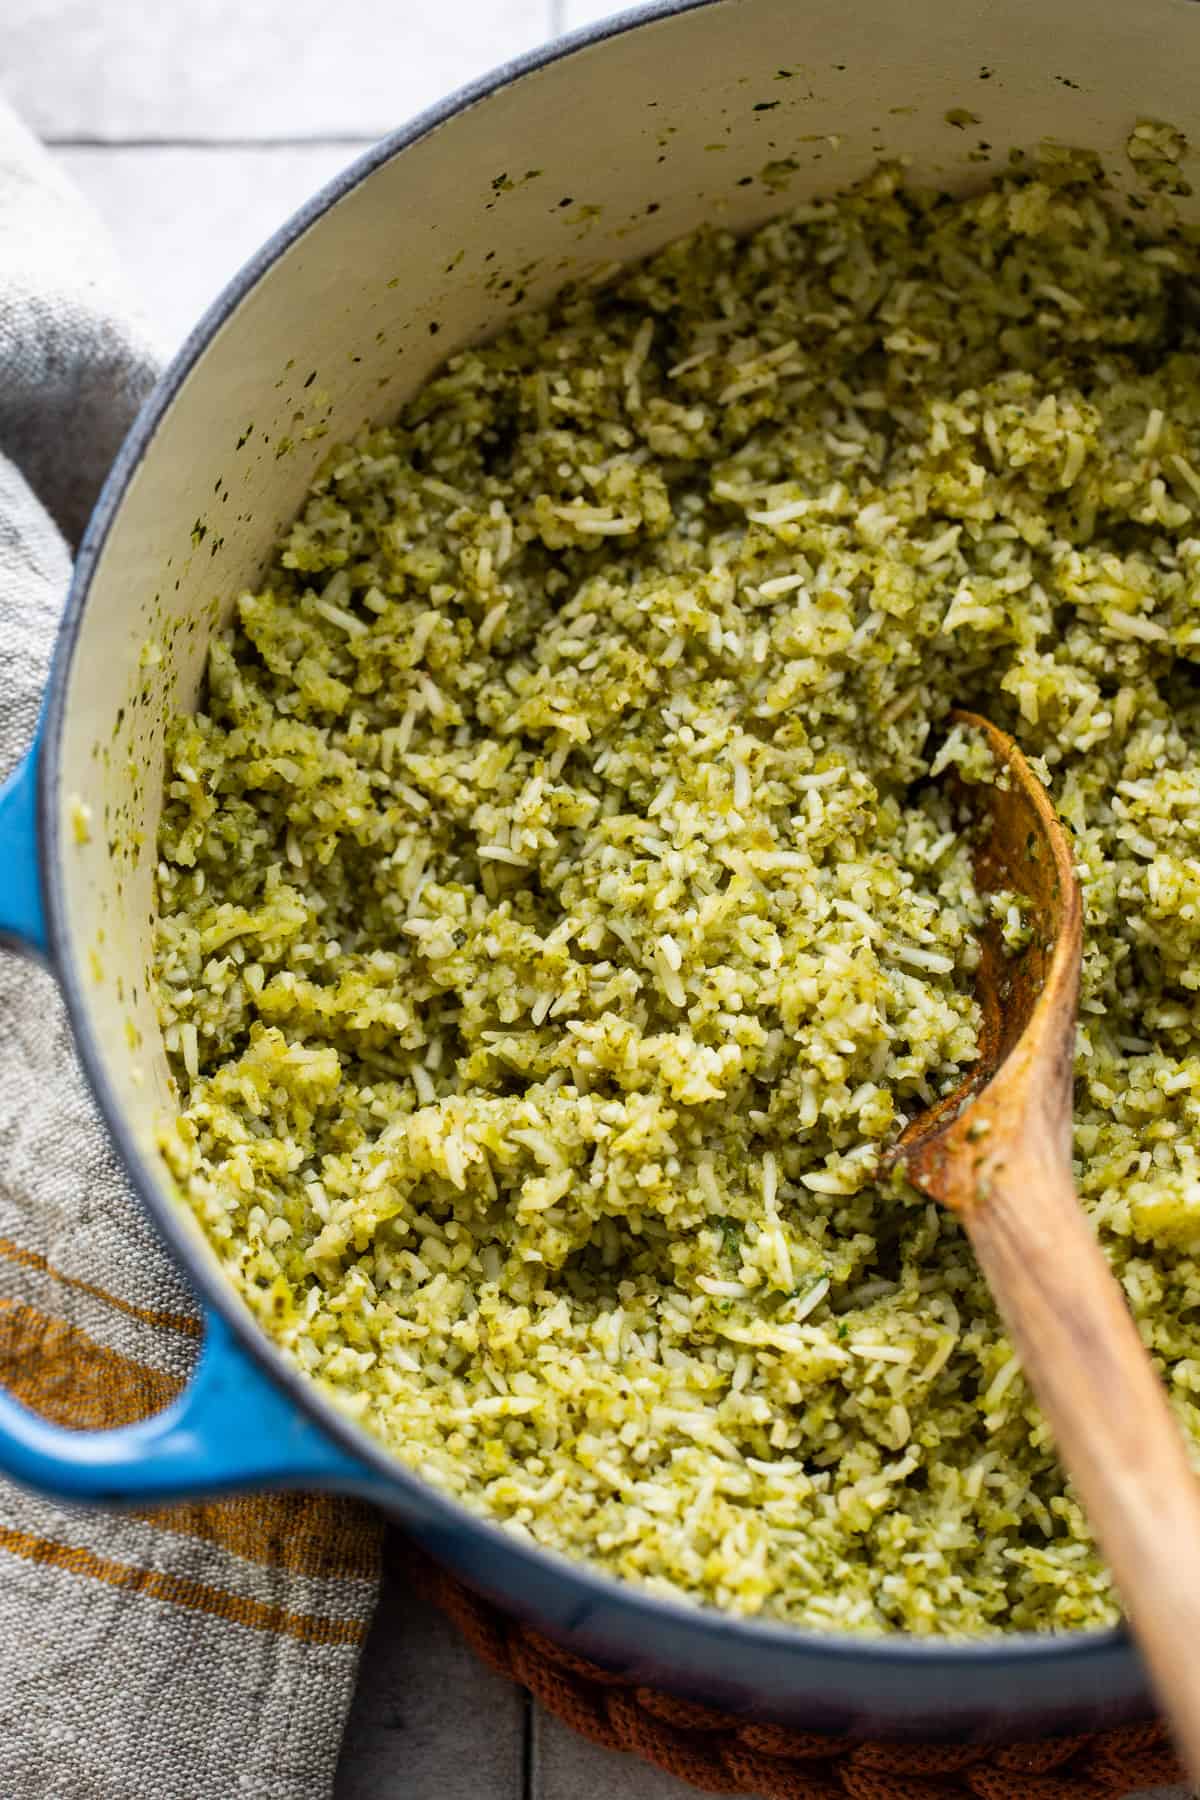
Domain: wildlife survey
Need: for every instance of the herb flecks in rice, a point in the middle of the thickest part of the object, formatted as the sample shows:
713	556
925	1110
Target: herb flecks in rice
555	921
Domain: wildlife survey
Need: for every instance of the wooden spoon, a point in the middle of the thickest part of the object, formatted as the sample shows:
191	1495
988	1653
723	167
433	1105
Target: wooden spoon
998	1153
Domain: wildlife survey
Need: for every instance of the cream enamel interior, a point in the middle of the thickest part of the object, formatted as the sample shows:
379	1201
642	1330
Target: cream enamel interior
645	133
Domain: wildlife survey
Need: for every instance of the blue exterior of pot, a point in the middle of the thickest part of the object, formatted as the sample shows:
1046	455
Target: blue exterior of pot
597	149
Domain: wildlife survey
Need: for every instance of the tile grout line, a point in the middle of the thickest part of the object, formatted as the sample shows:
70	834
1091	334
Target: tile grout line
330	141
529	1735
556	24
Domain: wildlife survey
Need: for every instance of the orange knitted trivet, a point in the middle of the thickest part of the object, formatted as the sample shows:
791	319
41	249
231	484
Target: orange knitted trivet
723	1754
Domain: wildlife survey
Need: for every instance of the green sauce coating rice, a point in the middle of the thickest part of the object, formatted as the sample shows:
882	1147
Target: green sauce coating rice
556	921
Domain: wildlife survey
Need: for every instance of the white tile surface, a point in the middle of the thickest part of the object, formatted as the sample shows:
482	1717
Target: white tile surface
576	13
429	1721
170	69
184	220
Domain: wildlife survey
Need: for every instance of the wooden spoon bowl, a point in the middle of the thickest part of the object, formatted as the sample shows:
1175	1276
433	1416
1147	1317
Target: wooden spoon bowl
1028	999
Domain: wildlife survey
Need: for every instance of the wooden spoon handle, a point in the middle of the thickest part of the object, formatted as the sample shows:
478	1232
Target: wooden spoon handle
1112	1424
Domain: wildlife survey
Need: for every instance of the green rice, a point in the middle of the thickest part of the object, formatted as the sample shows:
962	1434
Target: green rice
557	918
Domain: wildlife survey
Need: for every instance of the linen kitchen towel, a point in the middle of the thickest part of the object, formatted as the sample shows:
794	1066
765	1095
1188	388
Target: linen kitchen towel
202	1651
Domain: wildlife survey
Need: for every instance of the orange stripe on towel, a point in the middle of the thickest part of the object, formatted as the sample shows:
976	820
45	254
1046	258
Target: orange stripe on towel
324	1535
67	1376
180	1591
64	1374
149	1315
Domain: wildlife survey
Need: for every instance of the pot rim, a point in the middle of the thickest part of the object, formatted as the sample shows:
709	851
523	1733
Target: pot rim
1083	1648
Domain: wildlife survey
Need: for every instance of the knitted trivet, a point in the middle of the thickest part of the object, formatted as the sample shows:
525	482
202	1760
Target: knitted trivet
723	1754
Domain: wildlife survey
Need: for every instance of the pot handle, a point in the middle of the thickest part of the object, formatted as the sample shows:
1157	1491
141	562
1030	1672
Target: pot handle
232	1427
22	920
